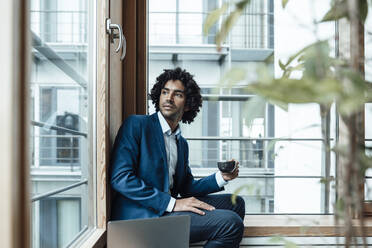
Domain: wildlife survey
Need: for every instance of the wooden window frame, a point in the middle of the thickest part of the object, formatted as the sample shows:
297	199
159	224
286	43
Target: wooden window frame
134	101
15	175
132	98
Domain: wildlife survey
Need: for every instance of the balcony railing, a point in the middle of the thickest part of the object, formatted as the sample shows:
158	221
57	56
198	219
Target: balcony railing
253	30
56	26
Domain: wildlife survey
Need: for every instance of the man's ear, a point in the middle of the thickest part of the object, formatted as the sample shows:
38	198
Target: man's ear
186	109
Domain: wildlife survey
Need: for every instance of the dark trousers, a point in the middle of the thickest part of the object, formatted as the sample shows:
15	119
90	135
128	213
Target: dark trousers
222	227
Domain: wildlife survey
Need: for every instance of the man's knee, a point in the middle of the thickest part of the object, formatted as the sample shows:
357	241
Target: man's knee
233	223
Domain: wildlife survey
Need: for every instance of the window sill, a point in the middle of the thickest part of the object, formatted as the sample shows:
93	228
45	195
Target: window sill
268	225
96	239
297	226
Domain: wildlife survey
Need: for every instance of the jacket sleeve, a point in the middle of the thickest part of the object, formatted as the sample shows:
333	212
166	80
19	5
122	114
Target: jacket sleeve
201	187
124	161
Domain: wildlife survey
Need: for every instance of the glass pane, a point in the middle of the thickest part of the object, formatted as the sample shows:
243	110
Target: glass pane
250	154
253	27
162	26
61	110
57	219
299	196
246	128
271	195
368	189
368	121
190	28
258	193
281	158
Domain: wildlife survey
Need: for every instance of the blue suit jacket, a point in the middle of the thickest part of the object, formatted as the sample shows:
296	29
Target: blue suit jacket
139	171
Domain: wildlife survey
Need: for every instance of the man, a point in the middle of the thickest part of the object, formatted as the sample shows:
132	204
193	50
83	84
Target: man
150	168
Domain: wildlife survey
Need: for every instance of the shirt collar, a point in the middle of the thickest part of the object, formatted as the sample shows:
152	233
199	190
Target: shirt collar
165	126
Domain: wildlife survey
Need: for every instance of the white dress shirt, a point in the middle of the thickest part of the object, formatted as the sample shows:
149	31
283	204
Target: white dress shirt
171	150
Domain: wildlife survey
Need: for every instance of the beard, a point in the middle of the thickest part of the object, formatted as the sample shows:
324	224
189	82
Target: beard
172	116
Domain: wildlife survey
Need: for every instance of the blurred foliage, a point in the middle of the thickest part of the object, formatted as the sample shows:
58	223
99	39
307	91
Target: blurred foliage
284	241
339	9
284	3
324	80
228	22
326	180
250	190
311	75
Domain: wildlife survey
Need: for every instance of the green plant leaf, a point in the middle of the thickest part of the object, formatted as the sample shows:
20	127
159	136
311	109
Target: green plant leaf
338	10
290	69
242	4
281	65
276	239
290	244
213	17
233	76
301	52
227	25
339	207
363	10
284	3
325	180
281	240
253	109
248	187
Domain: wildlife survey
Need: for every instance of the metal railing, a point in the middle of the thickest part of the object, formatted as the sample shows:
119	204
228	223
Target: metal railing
250	152
57	60
253	139
72	22
57	191
167	27
66	130
259	159
58	128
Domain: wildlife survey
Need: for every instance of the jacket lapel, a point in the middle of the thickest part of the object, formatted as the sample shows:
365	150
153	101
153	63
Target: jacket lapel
158	133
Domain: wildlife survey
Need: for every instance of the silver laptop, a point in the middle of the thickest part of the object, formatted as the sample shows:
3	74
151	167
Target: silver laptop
163	232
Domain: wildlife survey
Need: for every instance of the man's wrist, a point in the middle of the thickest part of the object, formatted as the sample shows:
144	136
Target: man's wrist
171	204
219	179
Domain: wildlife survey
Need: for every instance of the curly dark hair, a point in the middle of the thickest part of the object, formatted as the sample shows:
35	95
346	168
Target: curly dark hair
192	91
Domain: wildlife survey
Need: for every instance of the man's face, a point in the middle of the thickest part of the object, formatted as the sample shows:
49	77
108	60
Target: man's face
172	100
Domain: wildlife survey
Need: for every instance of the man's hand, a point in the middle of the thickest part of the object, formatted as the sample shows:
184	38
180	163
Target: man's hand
232	175
192	204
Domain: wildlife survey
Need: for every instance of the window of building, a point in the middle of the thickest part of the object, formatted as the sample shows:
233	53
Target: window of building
61	89
59	222
281	153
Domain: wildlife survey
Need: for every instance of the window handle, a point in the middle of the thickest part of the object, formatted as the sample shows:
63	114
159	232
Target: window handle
110	27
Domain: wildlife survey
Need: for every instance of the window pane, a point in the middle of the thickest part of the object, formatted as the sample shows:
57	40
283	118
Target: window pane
258	193
57	219
299	196
253	27
61	111
368	120
367	190
270	195
266	140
